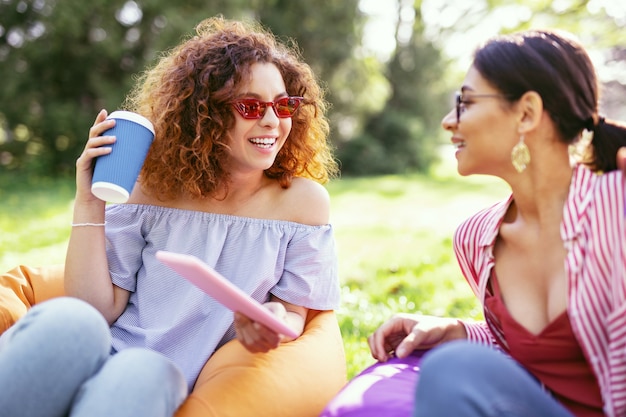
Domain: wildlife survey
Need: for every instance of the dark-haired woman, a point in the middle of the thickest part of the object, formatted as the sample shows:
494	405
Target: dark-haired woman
548	264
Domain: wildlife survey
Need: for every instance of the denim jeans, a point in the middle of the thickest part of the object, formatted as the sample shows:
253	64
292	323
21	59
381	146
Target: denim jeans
56	361
471	380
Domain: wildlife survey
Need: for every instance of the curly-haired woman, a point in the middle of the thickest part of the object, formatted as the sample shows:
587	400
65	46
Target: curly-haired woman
233	177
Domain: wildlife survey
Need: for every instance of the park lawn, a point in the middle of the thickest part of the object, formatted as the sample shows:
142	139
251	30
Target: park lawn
394	241
35	215
394	237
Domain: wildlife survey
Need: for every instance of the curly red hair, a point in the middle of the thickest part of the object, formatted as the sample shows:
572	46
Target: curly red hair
186	96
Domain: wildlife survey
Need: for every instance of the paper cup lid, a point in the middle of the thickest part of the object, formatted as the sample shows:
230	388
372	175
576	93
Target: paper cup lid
109	192
133	117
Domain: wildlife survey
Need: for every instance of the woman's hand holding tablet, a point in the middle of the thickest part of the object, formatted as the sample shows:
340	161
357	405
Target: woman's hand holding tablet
214	284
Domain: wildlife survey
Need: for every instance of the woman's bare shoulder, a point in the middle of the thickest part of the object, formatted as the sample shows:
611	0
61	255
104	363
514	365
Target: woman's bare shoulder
307	202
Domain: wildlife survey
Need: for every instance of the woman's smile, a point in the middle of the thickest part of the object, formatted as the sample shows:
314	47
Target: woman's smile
263	143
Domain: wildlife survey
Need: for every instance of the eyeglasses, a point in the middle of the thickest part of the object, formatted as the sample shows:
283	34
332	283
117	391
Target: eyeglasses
462	99
251	108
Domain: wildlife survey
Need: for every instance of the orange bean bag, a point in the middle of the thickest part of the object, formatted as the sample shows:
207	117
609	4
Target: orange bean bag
295	380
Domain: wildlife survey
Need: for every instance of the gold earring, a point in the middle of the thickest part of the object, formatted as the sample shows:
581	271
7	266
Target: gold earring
520	155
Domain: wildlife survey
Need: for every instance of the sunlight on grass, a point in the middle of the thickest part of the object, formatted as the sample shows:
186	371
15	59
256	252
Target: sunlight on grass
34	221
394	237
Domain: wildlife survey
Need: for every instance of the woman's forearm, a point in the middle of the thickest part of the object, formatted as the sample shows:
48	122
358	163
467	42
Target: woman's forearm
86	268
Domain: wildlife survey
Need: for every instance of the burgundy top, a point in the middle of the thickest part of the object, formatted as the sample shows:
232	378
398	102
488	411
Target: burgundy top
553	356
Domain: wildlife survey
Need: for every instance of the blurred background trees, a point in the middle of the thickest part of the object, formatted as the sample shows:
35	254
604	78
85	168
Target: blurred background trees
63	61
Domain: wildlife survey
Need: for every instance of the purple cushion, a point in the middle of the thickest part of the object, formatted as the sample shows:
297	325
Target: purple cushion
384	389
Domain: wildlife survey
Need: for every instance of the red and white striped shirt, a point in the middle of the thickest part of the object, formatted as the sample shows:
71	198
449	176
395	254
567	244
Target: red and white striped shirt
593	231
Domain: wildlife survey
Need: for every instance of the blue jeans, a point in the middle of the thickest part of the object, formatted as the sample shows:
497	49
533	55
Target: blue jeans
471	380
56	361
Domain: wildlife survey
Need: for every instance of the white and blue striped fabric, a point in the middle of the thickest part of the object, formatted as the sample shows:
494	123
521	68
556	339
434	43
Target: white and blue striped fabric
295	262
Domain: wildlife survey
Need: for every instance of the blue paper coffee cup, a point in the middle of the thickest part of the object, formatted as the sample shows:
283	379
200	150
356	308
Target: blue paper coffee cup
115	174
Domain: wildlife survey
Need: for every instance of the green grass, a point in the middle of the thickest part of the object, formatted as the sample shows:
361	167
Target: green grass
34	220
393	237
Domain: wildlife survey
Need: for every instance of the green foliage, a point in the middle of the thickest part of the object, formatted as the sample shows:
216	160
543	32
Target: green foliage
325	33
64	61
402	137
395	249
391	143
61	62
55	56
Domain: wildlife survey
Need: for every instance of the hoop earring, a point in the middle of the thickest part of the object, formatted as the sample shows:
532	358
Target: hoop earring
520	155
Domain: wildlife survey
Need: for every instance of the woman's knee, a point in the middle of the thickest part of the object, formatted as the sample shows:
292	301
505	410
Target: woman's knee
64	342
63	325
458	360
141	382
147	367
68	314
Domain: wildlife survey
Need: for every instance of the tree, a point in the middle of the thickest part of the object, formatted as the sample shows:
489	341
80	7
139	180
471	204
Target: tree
61	62
327	33
403	136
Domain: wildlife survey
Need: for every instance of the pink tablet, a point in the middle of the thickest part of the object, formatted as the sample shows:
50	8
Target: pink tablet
214	284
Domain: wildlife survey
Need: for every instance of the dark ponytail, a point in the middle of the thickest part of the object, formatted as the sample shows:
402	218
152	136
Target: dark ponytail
608	137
